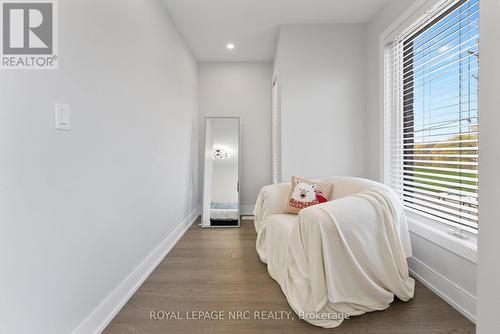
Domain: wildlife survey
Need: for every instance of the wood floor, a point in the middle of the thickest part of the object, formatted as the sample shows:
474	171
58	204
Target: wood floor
219	270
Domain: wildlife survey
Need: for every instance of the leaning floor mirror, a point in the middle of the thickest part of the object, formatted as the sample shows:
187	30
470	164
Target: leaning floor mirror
221	195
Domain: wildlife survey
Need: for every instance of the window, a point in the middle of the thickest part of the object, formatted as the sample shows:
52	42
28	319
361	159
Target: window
431	115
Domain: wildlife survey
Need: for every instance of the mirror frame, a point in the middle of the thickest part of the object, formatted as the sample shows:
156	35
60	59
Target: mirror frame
204	209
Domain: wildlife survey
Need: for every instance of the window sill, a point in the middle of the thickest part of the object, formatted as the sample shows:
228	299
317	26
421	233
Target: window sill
439	234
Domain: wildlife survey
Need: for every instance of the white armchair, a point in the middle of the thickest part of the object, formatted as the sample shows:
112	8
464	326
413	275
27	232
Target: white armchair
347	255
272	198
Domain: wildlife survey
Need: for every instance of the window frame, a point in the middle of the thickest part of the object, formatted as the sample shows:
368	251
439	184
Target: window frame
428	228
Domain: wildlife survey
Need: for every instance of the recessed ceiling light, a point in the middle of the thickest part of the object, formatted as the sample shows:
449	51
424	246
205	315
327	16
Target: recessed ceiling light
230	46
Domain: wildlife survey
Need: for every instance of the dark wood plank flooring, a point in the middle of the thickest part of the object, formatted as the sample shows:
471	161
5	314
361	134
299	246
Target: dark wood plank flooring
219	270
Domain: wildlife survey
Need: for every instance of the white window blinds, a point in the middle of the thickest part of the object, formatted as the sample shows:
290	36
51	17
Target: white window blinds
276	147
431	115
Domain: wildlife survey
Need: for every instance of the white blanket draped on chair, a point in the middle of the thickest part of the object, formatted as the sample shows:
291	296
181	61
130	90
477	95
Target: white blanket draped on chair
346	256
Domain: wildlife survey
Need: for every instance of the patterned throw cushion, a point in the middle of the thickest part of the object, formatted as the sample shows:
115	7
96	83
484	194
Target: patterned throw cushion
305	193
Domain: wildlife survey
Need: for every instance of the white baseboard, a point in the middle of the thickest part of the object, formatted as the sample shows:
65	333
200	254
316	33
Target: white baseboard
454	295
246	210
102	315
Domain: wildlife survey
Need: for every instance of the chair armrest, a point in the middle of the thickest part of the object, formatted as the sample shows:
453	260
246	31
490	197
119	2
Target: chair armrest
271	200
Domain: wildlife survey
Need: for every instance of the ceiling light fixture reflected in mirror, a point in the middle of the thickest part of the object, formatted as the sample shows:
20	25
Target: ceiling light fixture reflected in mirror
220	154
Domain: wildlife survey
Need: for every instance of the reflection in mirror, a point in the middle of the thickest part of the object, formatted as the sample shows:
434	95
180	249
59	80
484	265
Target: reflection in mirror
221	177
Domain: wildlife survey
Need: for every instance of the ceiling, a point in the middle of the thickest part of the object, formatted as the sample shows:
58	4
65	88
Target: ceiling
253	25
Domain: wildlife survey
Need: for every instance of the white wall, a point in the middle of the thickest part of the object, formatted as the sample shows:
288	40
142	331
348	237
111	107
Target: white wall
374	82
321	74
451	275
225	182
489	214
242	90
79	210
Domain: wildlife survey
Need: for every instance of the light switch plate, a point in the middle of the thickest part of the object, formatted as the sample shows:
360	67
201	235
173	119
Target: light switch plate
62	116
